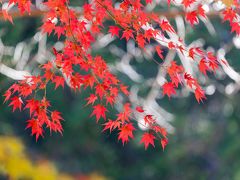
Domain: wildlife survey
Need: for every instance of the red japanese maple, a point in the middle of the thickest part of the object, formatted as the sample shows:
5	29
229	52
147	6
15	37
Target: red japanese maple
132	21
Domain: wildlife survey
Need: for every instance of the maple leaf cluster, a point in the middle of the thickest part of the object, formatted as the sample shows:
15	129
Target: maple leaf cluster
230	15
76	67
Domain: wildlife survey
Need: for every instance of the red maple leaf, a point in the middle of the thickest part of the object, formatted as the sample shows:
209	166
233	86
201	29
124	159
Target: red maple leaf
16	102
160	130
164	24
127	34
47	66
148	119
100	91
164	142
6	16
140	40
55	124
235	27
147	138
191	53
190	80
91	99
7	95
171	45
59	81
32	105
203	67
192	18
111	125
48	27
229	14
181	48
124	89
15	87
124	116
199	94
150	33
159	52
188	3
168	88
114	30
56	116
212	61
139	109
59	30
35	127
201	11
99	111
126	132
87	9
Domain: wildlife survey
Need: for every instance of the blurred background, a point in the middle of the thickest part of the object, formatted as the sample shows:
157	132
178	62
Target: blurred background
203	140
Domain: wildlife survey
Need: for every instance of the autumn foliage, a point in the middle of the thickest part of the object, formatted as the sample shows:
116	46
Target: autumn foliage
77	68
